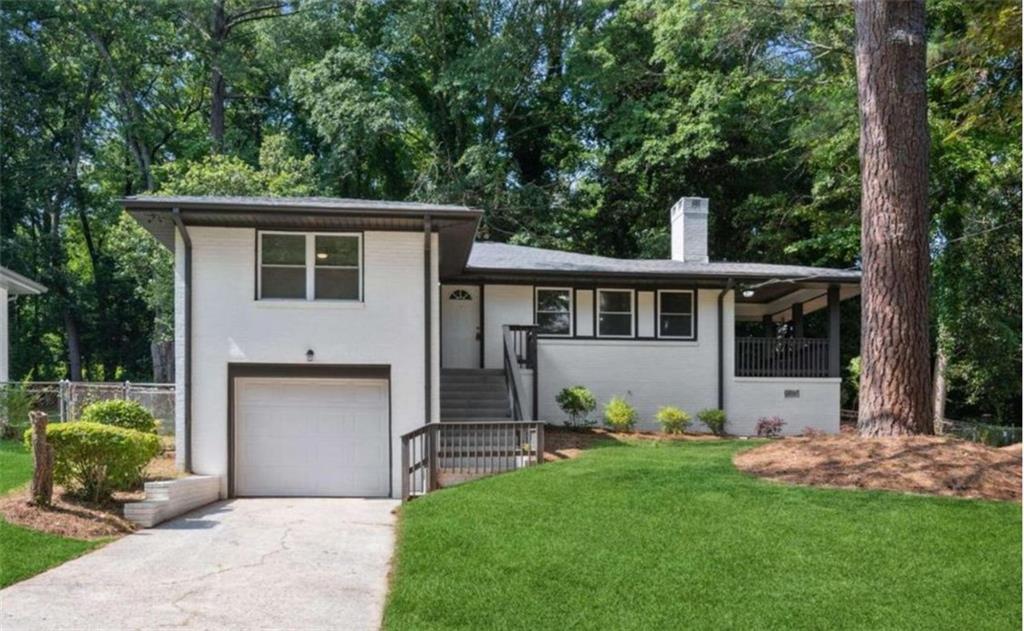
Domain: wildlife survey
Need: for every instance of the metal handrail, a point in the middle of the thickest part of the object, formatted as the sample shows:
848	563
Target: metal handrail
467	447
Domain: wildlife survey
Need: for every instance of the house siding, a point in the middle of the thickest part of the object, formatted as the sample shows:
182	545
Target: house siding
230	326
652	373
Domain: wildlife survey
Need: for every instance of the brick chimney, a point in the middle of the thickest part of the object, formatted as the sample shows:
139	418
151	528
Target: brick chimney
689	220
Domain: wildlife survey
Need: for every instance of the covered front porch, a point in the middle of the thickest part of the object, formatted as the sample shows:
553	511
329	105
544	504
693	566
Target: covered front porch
786	329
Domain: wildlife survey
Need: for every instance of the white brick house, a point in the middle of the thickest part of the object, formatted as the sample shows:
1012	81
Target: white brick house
313	332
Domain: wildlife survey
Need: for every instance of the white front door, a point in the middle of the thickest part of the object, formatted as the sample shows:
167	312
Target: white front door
311	437
460	326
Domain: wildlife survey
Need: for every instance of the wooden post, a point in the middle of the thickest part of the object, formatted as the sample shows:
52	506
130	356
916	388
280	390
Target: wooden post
798	319
834	370
42	453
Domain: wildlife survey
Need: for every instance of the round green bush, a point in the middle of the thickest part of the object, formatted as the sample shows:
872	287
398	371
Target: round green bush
673	420
619	414
93	460
714	419
120	413
577	402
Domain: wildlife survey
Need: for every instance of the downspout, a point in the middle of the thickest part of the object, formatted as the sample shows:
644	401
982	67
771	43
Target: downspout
721	344
187	240
428	292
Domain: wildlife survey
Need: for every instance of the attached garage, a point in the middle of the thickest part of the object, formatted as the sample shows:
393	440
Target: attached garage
310	436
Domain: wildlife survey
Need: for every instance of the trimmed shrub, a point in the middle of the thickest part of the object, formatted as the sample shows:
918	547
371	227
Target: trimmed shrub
714	419
15	403
770	426
673	420
619	414
120	413
577	402
93	460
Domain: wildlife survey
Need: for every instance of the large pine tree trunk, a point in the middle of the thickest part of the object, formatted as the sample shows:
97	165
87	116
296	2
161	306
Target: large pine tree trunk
895	375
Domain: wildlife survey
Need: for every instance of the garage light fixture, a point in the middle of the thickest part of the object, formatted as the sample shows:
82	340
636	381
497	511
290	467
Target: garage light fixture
309	355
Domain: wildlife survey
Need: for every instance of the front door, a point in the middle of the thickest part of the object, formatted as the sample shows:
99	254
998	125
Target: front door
460	326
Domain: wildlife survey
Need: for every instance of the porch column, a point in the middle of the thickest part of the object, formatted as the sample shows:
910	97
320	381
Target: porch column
769	326
833	331
798	319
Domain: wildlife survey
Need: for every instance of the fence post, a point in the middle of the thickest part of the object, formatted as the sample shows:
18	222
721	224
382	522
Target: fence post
540	443
127	386
62	389
431	436
405	469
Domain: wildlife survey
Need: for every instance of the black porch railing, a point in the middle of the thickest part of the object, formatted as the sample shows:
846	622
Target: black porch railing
782	357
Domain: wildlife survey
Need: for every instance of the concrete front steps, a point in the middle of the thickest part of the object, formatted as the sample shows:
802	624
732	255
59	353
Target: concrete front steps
471	394
167	499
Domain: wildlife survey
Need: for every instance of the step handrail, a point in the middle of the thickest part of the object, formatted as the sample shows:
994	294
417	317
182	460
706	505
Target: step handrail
476	447
513	378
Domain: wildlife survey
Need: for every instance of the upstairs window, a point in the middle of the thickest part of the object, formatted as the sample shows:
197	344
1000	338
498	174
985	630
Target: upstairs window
615	313
554	311
675	314
295	266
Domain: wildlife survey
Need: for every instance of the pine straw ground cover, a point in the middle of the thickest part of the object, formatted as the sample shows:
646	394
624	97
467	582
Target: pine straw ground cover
33	538
919	464
668	534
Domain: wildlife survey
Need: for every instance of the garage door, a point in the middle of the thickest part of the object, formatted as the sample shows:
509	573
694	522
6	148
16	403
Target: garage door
311	437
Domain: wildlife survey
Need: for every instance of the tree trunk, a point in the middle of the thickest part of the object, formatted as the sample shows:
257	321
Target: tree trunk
895	367
218	89
939	389
162	353
42	453
74	346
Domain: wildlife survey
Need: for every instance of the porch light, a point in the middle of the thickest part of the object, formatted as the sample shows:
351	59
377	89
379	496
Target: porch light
748	293
321	255
309	355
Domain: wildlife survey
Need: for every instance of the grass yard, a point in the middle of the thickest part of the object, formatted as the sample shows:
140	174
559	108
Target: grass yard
25	552
671	535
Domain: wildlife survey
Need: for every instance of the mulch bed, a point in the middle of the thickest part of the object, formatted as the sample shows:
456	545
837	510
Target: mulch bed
920	464
69	516
566	444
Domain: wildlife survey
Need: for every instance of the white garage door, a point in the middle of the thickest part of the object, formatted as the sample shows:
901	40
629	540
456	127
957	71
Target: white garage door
311	437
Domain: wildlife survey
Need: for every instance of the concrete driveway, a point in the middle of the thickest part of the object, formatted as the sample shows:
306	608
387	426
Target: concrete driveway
241	564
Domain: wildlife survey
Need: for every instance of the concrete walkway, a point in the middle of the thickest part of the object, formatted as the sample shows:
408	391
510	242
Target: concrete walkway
242	564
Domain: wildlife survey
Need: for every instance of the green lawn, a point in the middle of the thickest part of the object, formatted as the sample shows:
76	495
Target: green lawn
25	552
660	536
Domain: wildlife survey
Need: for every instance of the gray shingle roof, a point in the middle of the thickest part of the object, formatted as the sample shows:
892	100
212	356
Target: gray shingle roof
494	257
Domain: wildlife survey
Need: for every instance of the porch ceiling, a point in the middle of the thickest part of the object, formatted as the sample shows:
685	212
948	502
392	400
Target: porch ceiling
777	300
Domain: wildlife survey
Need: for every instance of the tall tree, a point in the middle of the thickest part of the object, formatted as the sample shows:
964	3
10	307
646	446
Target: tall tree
894	146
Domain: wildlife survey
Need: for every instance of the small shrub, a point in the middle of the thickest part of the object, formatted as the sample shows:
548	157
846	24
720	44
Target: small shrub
770	426
813	432
15	403
619	414
120	413
714	419
93	460
577	402
673	420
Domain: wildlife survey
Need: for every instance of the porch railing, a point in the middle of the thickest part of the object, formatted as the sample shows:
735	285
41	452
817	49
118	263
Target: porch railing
782	357
474	449
520	352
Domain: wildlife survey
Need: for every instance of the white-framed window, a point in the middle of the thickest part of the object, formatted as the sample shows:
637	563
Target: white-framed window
615	313
553	314
676	314
309	266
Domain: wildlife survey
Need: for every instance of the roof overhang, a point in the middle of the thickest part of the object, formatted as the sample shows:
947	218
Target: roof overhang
456	225
18	285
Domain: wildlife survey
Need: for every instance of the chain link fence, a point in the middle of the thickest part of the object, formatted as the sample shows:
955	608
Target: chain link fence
65	400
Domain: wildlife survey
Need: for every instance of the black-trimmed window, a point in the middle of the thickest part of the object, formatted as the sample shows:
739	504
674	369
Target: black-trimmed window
675	314
553	310
615	313
309	266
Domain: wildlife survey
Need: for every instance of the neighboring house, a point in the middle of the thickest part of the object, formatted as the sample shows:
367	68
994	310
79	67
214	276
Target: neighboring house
12	284
311	333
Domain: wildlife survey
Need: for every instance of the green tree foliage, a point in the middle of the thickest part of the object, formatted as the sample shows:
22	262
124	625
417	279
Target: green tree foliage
572	125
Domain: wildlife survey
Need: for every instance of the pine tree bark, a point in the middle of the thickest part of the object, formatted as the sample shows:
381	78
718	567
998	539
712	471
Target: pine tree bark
894	145
42	453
